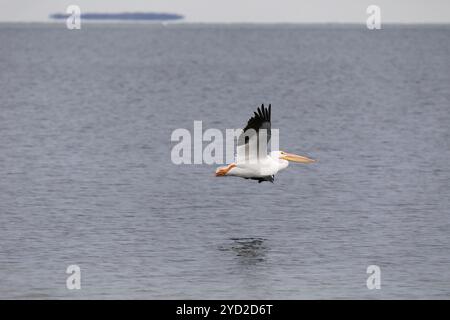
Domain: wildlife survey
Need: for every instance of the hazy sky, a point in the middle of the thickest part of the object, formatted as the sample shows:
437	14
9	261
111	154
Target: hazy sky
419	11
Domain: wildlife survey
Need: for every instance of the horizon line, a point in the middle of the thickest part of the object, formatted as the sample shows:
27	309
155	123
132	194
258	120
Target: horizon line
182	21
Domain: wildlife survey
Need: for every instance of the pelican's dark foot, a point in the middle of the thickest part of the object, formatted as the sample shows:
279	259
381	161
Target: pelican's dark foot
268	178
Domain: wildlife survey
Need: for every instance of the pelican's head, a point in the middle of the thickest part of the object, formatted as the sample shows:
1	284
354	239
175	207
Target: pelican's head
281	155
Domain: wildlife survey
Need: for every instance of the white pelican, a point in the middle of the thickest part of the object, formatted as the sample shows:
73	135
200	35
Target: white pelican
258	165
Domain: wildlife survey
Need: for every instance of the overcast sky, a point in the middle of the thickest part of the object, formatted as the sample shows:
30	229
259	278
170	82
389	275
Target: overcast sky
402	11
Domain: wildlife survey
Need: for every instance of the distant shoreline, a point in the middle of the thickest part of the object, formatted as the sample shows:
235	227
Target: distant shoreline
124	16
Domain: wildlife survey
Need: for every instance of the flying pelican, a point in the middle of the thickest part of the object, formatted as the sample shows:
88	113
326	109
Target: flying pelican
258	165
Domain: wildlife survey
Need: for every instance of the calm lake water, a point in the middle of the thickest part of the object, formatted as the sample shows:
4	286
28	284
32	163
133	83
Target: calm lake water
86	176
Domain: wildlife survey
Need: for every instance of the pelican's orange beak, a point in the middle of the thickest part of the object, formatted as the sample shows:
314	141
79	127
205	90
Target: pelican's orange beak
296	158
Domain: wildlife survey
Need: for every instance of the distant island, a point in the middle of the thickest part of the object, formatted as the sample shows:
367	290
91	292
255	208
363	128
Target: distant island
127	16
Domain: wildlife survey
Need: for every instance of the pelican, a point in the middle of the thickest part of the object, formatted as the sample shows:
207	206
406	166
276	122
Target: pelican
260	165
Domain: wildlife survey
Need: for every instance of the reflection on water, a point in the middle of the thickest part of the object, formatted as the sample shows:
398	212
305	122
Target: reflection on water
248	250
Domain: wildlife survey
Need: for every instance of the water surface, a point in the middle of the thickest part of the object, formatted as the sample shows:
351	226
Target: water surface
86	176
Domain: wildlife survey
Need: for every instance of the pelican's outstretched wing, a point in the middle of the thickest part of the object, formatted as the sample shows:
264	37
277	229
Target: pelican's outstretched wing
258	127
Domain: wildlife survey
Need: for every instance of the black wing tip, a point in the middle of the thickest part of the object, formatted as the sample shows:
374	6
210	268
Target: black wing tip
261	115
264	112
261	111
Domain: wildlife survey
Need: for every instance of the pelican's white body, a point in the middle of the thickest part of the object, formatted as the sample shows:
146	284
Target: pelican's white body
260	167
